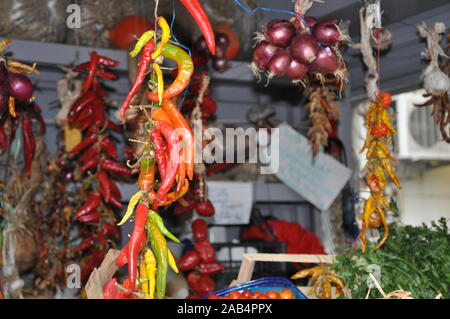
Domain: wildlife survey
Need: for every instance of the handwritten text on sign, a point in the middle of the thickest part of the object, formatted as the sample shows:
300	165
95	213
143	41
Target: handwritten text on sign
232	201
320	180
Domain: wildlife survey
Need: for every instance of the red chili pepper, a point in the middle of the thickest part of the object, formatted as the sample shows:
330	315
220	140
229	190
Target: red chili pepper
80	105
173	142
210	269
85	244
122	259
160	151
29	143
115	167
91	203
204	286
99	116
135	241
94	260
144	64
196	10
91	72
105	75
89	164
116	203
205	251
91	153
3	140
104	182
109	147
199	229
91	217
110	229
88	141
180	210
205	208
88	122
115	192
192	278
110	290
107	62
190	260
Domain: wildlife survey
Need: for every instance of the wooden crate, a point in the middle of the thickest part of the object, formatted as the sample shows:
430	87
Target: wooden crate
249	260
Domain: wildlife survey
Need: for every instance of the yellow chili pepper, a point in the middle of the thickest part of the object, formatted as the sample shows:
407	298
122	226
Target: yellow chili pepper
3	44
171	261
15	65
165	36
12	106
145	37
144	277
368	208
387	166
134	200
150	262
160	79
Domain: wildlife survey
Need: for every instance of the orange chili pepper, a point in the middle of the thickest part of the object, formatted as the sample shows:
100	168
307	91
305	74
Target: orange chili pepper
185	131
159	114
172	196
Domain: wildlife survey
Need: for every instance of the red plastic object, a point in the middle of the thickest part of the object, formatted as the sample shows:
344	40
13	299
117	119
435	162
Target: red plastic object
126	31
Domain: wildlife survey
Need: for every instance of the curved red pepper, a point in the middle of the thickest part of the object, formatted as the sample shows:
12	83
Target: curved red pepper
29	143
173	142
104	182
205	251
135	242
160	151
190	259
91	72
109	147
93	202
89	164
115	167
88	141
196	10
144	64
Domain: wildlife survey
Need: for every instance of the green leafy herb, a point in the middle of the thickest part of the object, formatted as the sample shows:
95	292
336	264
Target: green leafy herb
415	259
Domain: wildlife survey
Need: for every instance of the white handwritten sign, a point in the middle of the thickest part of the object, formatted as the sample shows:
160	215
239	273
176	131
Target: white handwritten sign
232	201
319	181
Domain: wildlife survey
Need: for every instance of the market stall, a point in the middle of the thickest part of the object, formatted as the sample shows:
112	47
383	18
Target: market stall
224	149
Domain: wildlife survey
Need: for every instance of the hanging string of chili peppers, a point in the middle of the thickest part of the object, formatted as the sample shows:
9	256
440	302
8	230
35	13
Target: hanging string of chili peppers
168	154
97	155
17	106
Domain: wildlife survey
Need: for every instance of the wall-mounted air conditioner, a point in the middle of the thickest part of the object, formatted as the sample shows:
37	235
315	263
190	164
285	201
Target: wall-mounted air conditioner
419	137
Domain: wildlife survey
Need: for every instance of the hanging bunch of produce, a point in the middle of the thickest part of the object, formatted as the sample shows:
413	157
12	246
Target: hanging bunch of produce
166	159
200	262
378	167
300	48
227	47
97	164
435	77
377	145
22	144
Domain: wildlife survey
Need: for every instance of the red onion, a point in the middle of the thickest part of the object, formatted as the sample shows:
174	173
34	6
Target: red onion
220	64
222	40
20	86
3	72
279	63
326	33
326	62
4	96
262	53
311	21
279	33
296	70
304	48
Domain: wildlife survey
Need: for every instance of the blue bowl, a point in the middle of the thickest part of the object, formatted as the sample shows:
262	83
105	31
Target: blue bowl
263	284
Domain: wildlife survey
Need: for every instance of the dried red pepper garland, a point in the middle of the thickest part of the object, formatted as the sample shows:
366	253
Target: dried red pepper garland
200	262
17	108
96	156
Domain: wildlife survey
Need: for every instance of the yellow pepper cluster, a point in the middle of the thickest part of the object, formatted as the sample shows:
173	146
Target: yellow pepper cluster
379	164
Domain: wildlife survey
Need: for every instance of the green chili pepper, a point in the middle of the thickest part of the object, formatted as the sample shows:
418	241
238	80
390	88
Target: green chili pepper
155	218
159	247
